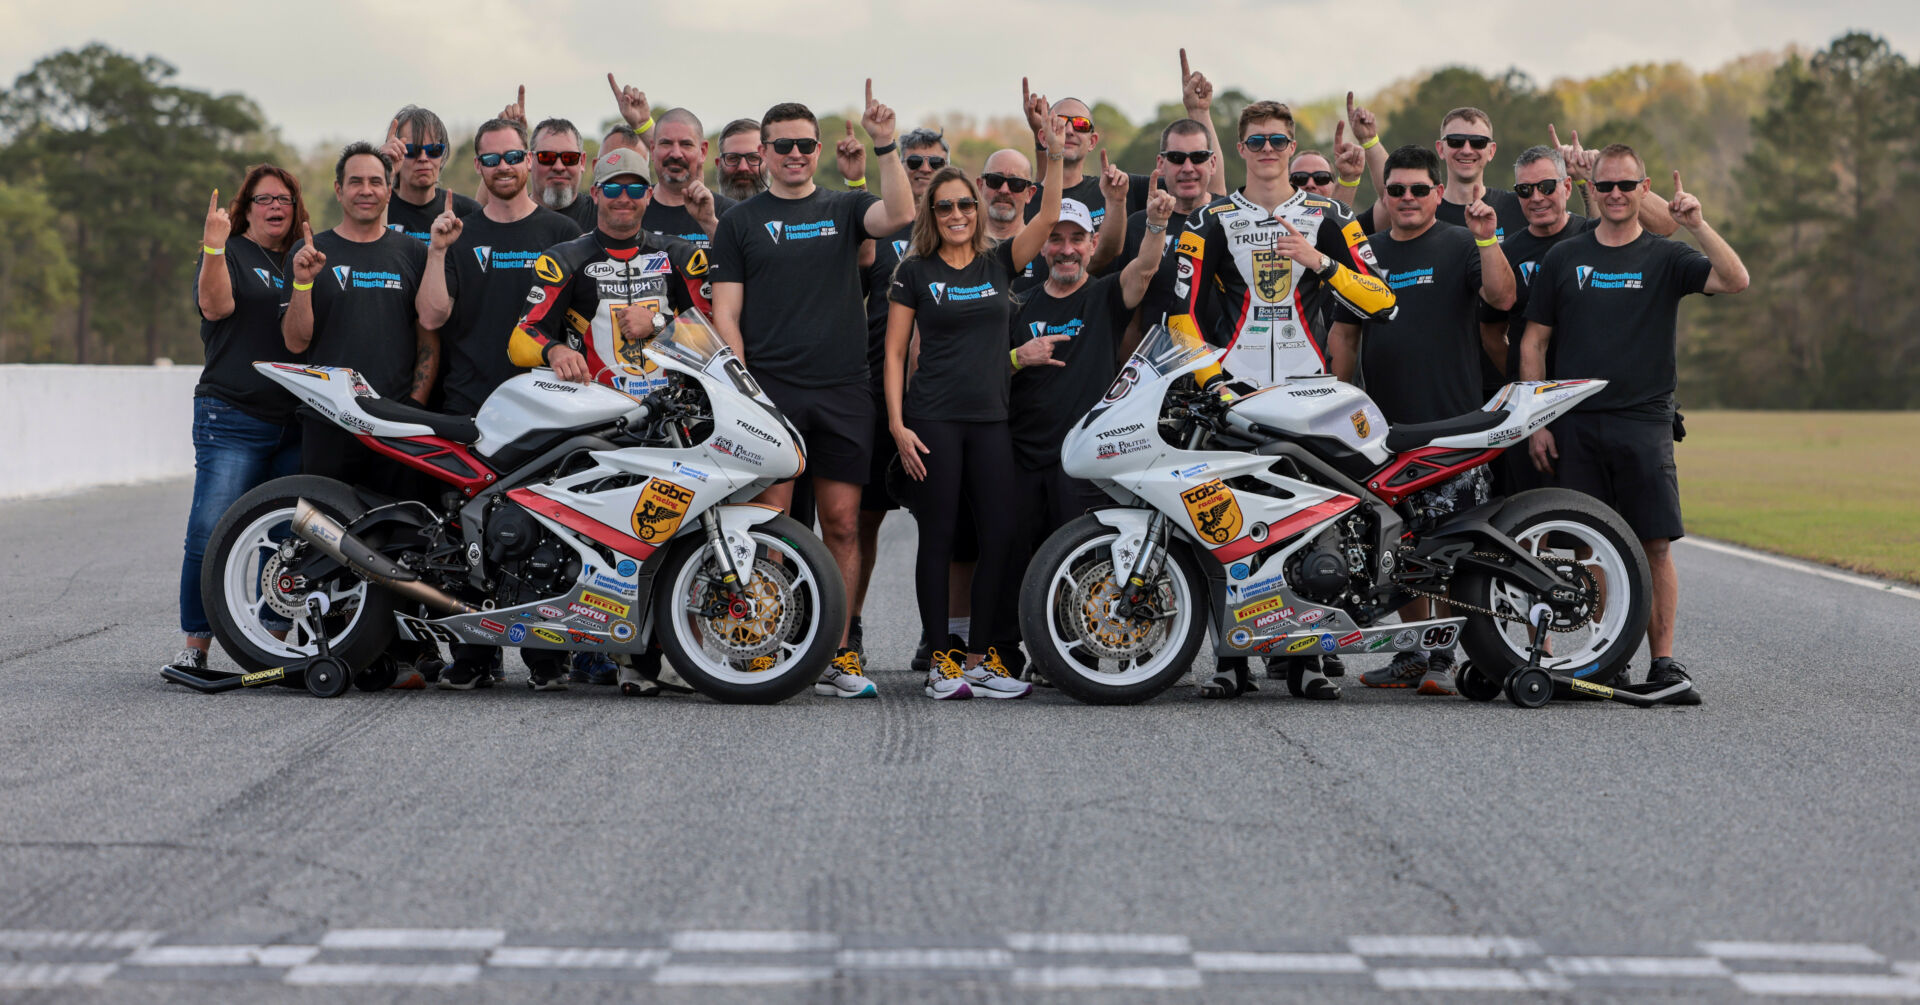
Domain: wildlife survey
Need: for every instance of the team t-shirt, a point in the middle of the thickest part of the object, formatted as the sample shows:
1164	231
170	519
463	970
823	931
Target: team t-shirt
582	212
675	221
363	314
489	270
1614	314
798	261
1087	190
1525	250
963	317
1424	365
417	221
877	282
251	332
1510	218
1048	400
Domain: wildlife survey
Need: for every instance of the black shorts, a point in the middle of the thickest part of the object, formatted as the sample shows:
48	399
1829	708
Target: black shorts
875	498
837	423
1625	462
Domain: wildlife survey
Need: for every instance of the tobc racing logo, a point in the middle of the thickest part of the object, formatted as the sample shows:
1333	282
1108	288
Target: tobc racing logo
658	513
1214	511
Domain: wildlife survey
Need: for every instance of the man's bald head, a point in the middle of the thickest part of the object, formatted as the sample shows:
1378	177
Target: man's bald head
1008	161
1004	206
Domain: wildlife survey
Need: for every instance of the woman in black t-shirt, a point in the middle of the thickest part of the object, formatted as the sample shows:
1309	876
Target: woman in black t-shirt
243	428
953	285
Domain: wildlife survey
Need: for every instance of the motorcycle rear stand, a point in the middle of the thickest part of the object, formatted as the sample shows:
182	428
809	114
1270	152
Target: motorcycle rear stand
1530	686
323	674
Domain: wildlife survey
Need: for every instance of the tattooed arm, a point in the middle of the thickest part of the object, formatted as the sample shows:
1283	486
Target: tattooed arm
426	363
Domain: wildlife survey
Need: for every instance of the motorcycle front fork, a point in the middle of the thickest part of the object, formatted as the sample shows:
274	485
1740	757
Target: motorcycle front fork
1152	557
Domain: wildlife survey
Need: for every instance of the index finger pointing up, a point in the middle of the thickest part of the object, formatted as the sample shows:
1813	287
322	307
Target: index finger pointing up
306	231
1676	182
615	85
869	90
1184	71
1349	104
214	203
393	129
449	200
1103	160
1553	135
849	127
1339	133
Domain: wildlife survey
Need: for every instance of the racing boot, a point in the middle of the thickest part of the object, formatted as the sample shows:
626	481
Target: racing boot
1230	680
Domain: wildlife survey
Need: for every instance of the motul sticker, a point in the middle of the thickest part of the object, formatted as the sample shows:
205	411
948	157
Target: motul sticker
658	513
589	613
1214	512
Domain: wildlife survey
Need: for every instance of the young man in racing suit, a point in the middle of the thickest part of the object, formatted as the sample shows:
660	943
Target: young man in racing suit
593	304
1246	266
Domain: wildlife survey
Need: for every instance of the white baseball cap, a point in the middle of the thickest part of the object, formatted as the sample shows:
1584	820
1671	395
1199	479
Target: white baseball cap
1075	211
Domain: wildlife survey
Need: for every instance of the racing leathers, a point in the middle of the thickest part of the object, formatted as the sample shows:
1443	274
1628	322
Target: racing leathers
1246	295
582	287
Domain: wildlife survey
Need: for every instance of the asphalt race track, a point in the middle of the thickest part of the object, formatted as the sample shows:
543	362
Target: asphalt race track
497	846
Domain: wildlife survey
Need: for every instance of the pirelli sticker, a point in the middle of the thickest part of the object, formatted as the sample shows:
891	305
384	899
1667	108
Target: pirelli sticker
657	515
1214	511
1191	244
547	269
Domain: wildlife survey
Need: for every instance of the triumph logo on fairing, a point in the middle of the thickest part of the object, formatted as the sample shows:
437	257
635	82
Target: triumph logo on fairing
1122	431
545	385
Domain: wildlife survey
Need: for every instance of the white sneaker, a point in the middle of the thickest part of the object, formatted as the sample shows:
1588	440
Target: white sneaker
845	679
946	677
991	679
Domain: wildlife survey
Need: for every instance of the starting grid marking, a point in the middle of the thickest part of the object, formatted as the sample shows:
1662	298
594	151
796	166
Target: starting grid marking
439	957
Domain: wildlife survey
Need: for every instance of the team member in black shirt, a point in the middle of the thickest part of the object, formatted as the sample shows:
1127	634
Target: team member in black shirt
739	166
786	297
954	285
682	206
417	149
559	161
1608	301
243	428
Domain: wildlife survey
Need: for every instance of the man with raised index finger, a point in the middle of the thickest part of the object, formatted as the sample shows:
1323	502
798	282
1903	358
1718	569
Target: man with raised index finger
417	146
682	206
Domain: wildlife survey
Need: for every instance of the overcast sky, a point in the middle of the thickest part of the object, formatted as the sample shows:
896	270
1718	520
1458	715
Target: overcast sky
337	70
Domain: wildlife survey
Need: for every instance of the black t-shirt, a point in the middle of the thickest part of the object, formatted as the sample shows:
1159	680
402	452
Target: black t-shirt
798	261
489	271
1613	312
582	212
363	314
1088	192
675	221
417	221
876	282
963	317
1509	217
1160	287
1048	400
1424	365
1525	250
251	332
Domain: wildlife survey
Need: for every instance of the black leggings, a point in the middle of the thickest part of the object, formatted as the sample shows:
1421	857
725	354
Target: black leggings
975	458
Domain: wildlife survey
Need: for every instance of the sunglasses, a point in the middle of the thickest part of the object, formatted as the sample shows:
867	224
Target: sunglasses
1262	141
1625	186
545	158
784	147
272	200
1458	140
1396	190
1078	123
735	160
632	190
432	150
495	160
1525	189
965	204
915	161
1008	182
1300	178
1179	157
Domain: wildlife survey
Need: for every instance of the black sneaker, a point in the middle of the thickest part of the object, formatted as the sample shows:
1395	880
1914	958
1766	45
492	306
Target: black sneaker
856	636
463	676
922	657
1666	671
1333	666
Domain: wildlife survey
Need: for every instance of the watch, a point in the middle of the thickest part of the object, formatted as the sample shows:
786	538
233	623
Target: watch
1326	263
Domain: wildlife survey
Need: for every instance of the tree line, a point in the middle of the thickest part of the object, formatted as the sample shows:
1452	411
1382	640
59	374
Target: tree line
1799	158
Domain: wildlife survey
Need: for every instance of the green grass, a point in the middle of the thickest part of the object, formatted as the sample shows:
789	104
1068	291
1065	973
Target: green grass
1841	488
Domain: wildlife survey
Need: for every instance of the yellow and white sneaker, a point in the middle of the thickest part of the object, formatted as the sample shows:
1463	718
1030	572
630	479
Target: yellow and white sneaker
991	679
845	679
946	675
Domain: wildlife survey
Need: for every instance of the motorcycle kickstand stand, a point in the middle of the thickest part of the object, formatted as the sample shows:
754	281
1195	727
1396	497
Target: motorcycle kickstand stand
327	675
1528	685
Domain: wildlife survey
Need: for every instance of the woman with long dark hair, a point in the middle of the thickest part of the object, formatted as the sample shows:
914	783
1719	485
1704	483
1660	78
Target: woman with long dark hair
243	427
953	285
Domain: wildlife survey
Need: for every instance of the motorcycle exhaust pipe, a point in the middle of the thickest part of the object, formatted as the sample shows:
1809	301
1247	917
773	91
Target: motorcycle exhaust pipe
320	530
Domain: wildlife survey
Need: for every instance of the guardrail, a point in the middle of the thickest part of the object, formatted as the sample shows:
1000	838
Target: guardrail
68	428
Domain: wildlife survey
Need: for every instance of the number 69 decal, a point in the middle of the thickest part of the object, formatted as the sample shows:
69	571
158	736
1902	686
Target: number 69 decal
1123	383
1439	636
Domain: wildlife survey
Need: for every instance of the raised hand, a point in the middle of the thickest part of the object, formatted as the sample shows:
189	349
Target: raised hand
1294	245
1114	182
851	156
1196	91
1482	221
1038	351
1365	126
219	224
1577	164
446	227
877	120
1349	161
634	108
394	148
700	202
1684	207
310	261
1036	109
1159	202
517	112
1056	129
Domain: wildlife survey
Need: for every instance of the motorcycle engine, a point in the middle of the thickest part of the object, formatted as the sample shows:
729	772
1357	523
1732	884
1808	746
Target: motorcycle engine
1334	565
529	563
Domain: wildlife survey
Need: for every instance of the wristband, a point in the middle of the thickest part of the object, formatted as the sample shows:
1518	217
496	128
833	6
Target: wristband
1014	356
211	250
857	183
642	131
1582	182
1488	243
1151	229
302	287
1348	184
889	148
1370	144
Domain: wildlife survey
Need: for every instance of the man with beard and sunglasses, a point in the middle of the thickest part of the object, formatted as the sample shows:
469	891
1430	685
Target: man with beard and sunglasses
682	205
418	148
559	163
475	285
739	166
786	296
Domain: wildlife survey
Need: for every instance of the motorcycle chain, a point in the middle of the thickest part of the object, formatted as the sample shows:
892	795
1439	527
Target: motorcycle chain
1582	623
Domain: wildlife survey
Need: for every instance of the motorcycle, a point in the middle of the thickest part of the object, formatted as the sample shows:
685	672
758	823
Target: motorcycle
1285	519
576	517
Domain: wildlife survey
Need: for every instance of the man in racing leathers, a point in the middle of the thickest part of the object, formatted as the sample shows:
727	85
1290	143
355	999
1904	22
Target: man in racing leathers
1244	270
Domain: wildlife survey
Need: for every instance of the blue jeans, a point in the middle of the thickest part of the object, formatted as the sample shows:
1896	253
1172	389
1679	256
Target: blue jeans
233	453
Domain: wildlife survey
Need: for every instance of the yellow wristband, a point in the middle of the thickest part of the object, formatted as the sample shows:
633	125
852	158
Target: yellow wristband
642	131
1013	355
211	250
1488	243
1370	144
302	287
857	183
1349	184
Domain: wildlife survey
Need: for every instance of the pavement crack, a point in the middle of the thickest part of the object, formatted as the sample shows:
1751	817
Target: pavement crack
35	651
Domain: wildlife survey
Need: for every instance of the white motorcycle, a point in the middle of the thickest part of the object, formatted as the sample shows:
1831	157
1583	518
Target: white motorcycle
1284	521
576	517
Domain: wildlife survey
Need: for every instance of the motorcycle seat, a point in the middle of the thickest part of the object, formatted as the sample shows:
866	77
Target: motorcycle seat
1410	435
458	428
